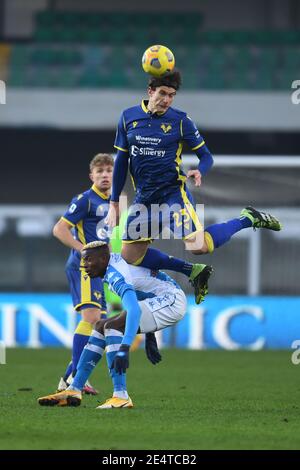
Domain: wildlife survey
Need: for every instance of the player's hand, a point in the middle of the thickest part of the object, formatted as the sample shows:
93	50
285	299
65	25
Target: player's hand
196	175
121	360
152	351
112	218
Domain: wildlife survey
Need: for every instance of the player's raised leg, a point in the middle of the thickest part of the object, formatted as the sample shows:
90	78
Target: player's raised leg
217	235
139	254
261	219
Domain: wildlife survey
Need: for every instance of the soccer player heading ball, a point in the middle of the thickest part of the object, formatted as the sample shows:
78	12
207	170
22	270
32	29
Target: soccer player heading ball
149	143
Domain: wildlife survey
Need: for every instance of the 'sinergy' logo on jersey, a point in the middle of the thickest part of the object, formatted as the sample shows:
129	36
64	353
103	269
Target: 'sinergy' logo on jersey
146	151
166	128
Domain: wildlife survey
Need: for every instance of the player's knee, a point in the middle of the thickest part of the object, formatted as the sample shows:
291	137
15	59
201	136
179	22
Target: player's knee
197	247
134	252
130	256
197	244
91	315
117	323
201	251
100	325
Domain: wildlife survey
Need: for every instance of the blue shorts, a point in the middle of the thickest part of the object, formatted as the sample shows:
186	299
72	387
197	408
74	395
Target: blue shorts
86	292
176	212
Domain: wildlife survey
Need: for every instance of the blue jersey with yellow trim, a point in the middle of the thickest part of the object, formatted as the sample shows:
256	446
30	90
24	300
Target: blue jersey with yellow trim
154	144
86	214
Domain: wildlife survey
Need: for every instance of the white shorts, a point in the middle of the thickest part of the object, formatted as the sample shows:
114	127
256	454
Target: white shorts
162	311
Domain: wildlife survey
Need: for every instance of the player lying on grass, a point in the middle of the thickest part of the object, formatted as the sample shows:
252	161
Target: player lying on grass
152	301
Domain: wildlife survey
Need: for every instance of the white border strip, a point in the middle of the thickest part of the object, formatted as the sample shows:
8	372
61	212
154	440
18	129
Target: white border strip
241	161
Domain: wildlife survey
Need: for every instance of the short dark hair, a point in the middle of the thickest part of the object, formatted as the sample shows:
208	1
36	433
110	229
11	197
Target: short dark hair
169	79
97	246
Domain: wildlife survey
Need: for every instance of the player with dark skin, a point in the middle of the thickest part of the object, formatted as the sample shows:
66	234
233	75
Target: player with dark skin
95	263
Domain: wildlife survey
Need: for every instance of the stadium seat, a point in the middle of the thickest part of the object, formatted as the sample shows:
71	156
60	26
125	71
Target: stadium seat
82	43
20	56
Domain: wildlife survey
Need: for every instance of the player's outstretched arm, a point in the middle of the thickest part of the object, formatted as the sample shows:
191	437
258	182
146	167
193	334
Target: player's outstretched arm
119	175
113	215
119	179
151	348
196	143
206	160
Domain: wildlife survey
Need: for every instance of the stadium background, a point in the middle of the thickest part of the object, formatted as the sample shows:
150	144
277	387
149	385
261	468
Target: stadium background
69	69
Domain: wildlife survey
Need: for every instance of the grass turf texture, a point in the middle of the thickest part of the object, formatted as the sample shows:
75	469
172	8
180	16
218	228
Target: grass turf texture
192	400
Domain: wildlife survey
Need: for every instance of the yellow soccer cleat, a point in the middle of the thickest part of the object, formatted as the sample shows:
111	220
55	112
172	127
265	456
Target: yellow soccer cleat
136	343
115	402
64	398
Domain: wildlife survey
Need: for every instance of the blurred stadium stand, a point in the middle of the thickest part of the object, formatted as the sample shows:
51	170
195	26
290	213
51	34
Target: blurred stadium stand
92	49
253	263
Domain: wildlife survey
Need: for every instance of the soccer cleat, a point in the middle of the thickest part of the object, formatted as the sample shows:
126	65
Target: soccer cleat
62	385
64	398
199	280
136	343
115	402
88	389
261	219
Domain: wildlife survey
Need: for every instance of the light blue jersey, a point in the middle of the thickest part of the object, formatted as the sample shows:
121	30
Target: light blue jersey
133	284
121	276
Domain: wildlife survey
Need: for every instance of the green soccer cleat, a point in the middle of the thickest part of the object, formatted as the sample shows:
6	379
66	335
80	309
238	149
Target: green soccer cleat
261	219
199	280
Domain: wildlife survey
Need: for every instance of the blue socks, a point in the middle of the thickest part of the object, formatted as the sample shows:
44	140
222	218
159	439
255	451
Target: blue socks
80	339
90	357
92	354
221	233
113	341
156	259
68	371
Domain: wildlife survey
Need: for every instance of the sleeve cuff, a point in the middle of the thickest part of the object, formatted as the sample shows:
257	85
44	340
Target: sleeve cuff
120	148
68	221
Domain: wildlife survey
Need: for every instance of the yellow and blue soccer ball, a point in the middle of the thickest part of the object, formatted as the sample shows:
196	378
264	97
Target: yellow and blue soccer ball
158	60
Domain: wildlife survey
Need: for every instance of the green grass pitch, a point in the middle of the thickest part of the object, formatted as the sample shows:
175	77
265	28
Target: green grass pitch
191	400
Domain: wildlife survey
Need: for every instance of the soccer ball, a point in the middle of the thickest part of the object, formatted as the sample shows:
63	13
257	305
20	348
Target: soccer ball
157	60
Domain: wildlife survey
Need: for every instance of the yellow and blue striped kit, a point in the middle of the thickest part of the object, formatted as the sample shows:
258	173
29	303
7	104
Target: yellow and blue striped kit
86	214
154	143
